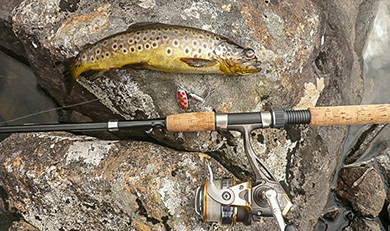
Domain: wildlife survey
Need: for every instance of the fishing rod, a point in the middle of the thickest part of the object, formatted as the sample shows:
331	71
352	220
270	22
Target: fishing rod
209	121
224	200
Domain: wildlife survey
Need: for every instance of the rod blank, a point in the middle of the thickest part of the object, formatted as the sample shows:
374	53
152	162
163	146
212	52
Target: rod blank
54	127
121	125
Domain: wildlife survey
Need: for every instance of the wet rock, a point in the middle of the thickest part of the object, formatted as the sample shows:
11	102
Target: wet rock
383	165
361	224
355	187
63	182
372	136
334	217
331	214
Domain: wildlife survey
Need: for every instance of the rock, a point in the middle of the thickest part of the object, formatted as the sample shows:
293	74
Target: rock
311	53
388	213
355	187
383	165
361	224
61	30
64	182
334	218
375	148
6	217
332	214
9	43
22	226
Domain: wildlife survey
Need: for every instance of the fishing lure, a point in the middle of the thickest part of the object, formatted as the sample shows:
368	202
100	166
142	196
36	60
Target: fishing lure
163	47
182	98
183	95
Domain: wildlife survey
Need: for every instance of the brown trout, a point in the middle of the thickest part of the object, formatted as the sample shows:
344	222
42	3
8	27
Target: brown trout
163	47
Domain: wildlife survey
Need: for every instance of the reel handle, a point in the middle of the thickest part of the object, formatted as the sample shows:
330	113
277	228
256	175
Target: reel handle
274	205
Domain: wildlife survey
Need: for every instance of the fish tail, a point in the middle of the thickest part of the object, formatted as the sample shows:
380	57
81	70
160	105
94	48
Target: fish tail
68	68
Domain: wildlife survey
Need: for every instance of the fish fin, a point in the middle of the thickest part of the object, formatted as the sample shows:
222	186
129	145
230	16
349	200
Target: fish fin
93	75
87	46
144	25
68	70
137	66
198	62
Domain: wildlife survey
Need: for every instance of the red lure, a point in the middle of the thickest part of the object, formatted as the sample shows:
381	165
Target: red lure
182	98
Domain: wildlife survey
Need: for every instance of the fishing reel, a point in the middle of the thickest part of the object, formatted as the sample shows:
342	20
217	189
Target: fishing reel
229	202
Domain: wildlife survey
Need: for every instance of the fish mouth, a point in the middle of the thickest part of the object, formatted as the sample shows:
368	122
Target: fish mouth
249	67
240	66
256	67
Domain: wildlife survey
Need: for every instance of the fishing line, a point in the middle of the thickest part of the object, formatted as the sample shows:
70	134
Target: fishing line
58	108
46	111
82	103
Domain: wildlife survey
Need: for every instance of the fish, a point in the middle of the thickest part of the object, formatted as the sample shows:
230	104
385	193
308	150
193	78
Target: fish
162	47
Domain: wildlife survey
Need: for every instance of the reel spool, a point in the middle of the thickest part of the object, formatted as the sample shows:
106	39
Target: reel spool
213	211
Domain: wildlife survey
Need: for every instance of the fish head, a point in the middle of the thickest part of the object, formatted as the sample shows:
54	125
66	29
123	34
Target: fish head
236	60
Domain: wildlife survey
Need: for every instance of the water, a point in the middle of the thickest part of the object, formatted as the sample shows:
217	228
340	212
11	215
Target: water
20	95
376	91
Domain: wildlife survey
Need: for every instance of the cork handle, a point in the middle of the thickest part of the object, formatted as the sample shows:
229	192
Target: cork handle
350	115
191	122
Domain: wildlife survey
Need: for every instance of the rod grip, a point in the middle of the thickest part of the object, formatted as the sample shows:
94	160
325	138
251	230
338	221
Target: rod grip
191	122
350	115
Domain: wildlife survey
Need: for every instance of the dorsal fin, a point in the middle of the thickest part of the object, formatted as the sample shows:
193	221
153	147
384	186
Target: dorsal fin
87	46
145	25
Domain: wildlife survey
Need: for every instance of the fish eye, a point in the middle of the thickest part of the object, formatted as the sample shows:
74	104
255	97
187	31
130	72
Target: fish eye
249	53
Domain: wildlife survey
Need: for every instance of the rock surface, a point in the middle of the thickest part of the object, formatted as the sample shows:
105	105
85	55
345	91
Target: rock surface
359	224
311	53
383	163
81	183
22	225
356	185
9	42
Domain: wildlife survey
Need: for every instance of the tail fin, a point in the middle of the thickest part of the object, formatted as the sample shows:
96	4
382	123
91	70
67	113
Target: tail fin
68	70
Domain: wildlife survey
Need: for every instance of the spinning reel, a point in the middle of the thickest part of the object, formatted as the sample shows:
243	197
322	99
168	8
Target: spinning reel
229	202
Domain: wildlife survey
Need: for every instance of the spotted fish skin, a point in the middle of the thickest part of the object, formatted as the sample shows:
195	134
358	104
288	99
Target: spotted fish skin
163	47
